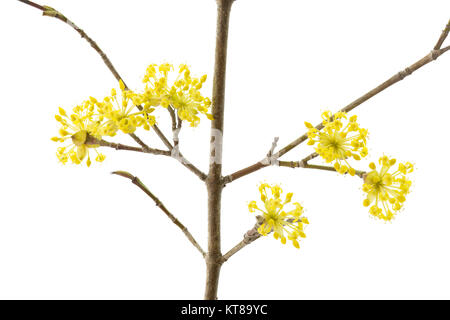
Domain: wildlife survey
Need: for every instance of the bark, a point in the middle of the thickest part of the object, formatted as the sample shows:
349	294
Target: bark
214	181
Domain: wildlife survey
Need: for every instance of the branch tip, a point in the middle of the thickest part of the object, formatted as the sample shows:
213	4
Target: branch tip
135	180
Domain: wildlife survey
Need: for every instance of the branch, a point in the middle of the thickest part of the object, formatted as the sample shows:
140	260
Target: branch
176	154
310	157
272	149
250	236
173	117
139	141
146	149
176	126
214	184
35	5
159	204
119	146
162	137
301	164
304	164
270	159
433	55
443	36
50	12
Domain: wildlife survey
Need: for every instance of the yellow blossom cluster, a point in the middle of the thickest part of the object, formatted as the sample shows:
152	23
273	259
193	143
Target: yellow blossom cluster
127	111
76	129
93	120
121	113
182	94
339	140
386	191
276	218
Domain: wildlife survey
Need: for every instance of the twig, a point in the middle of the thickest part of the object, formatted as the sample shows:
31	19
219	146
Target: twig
179	122
176	154
162	137
146	149
310	157
172	117
135	180
443	36
433	55
269	159
300	164
175	129
250	236
119	146
35	5
51	12
139	141
274	145
304	164
445	49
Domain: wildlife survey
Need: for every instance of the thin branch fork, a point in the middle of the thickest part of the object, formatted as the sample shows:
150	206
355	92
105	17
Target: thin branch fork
135	180
301	164
250	236
119	146
139	141
146	149
51	12
304	164
176	125
214	184
433	55
443	36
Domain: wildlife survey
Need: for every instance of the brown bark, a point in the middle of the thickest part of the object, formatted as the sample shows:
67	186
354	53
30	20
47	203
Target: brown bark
214	182
135	180
433	55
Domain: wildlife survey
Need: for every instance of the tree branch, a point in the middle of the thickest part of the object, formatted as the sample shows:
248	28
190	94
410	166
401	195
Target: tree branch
146	149
301	164
51	12
250	236
35	5
119	146
135	180
162	137
443	36
176	126
433	55
139	141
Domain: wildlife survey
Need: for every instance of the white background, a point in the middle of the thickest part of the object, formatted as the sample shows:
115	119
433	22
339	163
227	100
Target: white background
70	232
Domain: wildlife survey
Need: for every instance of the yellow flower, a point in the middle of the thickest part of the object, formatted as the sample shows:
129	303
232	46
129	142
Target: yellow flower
339	140
386	190
121	113
183	94
282	223
80	130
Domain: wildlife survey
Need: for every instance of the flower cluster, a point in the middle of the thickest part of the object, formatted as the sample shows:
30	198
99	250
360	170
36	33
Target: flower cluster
386	190
182	94
127	111
339	140
121	113
78	129
277	220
